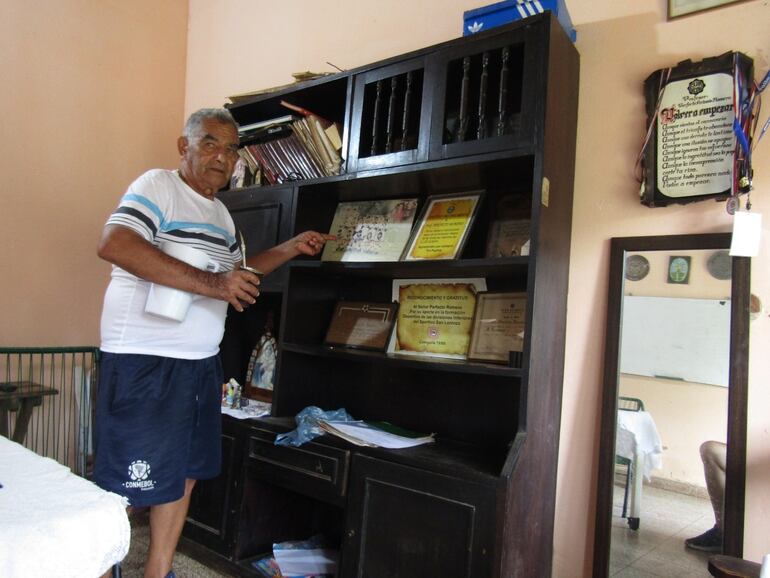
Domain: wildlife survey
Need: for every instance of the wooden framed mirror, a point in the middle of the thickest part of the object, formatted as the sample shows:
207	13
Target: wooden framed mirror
661	377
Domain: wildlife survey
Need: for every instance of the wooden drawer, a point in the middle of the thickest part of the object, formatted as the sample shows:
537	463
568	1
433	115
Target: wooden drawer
316	470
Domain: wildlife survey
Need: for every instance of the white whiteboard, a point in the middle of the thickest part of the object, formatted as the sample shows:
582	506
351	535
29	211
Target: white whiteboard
668	337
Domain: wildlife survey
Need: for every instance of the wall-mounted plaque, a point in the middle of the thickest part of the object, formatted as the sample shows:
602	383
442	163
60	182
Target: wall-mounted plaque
361	325
679	270
434	316
720	265
509	228
498	326
370	230
689	155
443	226
637	267
678	8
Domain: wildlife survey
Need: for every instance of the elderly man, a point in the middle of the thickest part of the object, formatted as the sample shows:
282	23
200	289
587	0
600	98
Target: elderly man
158	423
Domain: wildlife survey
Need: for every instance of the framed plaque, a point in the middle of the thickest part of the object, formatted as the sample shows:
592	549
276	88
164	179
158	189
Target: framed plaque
678	8
690	152
509	227
370	230
679	270
443	226
434	316
498	326
361	325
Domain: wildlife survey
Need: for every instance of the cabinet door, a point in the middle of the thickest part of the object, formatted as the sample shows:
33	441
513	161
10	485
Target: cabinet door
264	216
404	522
487	92
214	503
391	116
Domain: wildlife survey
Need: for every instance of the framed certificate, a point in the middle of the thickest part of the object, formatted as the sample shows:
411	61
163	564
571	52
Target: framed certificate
434	316
681	7
443	226
370	230
498	326
509	228
362	325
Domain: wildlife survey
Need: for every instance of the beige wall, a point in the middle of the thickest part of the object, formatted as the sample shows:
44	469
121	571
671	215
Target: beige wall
92	95
243	45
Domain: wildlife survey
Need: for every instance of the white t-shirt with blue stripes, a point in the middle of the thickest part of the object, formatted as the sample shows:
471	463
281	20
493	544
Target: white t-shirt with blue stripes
160	206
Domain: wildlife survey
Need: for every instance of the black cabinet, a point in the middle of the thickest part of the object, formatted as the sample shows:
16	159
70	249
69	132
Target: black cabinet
404	521
215	504
494	112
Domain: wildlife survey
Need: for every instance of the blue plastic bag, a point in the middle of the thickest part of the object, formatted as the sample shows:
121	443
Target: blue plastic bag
307	425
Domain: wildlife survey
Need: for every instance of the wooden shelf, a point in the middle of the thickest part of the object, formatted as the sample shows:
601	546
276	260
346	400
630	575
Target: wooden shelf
408	361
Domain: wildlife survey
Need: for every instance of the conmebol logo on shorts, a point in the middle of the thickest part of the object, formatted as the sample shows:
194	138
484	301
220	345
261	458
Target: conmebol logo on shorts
139	472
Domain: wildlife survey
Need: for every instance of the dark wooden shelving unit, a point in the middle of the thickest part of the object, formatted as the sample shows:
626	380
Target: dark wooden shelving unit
495	112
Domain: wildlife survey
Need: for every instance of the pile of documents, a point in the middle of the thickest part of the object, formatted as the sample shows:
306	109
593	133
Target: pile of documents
375	434
305	558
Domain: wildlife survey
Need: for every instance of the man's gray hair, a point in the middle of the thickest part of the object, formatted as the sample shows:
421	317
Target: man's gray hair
194	125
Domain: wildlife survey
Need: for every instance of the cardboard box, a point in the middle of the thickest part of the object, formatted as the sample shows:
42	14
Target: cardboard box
487	17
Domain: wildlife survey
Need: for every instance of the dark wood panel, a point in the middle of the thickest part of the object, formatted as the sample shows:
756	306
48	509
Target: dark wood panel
404	522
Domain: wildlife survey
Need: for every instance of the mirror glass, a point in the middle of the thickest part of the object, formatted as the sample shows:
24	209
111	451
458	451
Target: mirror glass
667	404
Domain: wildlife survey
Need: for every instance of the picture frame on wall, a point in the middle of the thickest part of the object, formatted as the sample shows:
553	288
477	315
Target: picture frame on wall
677	8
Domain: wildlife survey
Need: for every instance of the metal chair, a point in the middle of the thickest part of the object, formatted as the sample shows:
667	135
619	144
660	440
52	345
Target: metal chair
628	404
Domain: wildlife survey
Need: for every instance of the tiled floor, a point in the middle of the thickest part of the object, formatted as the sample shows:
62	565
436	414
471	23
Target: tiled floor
657	547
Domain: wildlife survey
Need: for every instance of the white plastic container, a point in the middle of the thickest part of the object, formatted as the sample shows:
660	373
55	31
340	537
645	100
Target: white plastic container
173	303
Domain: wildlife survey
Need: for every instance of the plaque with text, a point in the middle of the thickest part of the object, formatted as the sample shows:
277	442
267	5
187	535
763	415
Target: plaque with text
361	325
443	227
691	150
370	230
498	326
434	316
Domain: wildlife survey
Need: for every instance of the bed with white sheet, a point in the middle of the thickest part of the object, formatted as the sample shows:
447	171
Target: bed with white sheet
54	523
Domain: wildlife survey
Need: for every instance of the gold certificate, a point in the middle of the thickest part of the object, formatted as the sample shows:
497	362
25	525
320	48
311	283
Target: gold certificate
443	227
435	316
498	326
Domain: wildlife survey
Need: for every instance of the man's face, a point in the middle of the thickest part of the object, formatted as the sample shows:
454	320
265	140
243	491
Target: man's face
209	156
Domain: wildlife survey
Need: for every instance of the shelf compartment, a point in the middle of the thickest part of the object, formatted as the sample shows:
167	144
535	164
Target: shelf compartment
426	363
478	407
389	124
490	269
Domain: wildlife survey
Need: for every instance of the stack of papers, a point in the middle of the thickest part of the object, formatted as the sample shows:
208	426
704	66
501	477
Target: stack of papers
305	558
375	434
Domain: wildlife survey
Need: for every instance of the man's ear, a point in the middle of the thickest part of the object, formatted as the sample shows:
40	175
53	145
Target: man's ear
182	144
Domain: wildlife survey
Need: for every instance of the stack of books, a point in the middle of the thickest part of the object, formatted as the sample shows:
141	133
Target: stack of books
288	148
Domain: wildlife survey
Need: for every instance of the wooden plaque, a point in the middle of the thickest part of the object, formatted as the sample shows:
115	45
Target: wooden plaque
443	227
362	325
498	326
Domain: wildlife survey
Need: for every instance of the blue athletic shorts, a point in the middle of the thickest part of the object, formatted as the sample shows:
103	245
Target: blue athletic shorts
158	423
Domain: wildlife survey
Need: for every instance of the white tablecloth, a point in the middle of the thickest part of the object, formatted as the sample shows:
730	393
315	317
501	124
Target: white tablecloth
54	523
636	432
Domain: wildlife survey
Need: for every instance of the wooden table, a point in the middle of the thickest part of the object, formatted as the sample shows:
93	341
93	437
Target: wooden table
20	396
731	567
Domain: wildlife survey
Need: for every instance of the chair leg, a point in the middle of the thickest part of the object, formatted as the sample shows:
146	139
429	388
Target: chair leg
116	571
625	492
